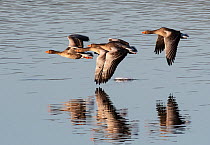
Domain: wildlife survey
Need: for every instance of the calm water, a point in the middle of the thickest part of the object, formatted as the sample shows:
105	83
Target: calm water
50	100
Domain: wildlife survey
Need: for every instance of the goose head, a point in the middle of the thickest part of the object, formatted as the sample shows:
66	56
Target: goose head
51	52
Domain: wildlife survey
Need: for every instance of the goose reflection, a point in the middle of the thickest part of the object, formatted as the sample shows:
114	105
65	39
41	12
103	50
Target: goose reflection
79	110
106	123
170	119
115	126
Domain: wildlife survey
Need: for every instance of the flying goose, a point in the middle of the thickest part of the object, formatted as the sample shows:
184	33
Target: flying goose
168	39
75	41
110	55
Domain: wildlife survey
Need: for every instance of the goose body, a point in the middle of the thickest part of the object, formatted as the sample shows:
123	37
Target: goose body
168	40
75	41
110	55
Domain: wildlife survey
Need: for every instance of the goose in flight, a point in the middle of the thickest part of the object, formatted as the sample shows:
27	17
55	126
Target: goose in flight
110	55
168	39
75	41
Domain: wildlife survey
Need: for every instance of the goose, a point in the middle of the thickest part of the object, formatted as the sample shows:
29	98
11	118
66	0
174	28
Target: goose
168	39
110	55
75	41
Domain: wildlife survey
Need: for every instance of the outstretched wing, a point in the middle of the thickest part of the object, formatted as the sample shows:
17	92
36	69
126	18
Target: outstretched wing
100	65
76	40
160	45
171	43
119	40
113	58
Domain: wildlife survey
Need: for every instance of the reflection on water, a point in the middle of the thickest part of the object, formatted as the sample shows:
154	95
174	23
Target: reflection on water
79	110
106	123
110	122
124	79
170	120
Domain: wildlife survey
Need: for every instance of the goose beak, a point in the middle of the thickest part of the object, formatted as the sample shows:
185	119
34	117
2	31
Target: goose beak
143	32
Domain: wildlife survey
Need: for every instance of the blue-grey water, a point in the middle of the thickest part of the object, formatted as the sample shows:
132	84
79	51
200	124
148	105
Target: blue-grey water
50	100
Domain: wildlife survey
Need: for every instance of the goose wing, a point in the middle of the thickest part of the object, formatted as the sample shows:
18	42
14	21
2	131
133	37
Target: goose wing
81	37
76	40
119	41
113	58
160	45
171	43
100	65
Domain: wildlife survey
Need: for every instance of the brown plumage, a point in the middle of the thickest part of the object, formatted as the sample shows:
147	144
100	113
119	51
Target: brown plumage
75	41
168	39
110	55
